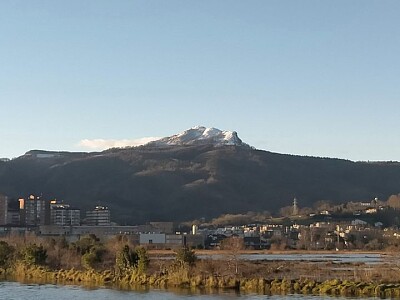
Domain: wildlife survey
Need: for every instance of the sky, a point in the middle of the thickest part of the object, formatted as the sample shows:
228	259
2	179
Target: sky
318	78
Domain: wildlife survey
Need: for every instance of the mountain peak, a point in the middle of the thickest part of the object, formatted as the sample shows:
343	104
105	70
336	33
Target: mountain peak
200	135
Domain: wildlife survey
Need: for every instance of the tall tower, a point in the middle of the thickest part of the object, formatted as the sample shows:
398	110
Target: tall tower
295	207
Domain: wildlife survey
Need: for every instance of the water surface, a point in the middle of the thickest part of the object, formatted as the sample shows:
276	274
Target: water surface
18	291
334	257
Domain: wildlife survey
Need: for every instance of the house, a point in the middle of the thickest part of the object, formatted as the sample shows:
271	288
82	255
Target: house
358	222
371	210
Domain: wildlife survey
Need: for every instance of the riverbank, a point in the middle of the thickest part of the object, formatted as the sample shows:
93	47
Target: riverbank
186	277
118	264
155	252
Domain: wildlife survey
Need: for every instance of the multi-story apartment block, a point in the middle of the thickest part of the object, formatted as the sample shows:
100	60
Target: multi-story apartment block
100	216
34	211
13	217
3	209
64	215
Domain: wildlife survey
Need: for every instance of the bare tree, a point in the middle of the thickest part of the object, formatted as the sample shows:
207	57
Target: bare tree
394	201
323	205
234	245
286	211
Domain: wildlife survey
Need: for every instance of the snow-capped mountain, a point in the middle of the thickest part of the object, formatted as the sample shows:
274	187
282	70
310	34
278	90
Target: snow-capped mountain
200	135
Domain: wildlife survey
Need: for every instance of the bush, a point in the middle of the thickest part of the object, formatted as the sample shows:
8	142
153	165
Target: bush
92	257
6	254
33	255
127	259
86	243
185	256
143	259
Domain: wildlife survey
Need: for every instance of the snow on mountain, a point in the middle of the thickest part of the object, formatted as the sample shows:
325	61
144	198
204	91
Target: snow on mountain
200	135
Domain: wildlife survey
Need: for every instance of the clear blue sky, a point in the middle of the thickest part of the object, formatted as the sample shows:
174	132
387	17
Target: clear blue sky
317	78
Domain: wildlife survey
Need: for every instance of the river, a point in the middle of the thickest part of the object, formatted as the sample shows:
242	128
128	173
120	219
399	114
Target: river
21	291
370	258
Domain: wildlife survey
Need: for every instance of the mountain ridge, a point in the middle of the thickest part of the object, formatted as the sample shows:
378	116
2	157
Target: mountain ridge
190	181
200	135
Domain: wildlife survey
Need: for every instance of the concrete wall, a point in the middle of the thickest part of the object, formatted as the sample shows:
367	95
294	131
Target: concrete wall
152	238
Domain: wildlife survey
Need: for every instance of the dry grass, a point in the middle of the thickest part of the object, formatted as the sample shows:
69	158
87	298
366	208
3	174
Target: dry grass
61	256
386	272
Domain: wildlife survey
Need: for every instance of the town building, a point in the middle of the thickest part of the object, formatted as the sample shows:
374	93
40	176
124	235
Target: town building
100	216
13	216
63	215
3	209
34	211
163	227
103	232
152	238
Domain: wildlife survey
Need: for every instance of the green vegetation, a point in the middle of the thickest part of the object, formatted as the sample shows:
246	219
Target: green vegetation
143	260
185	256
125	259
91	258
33	254
6	254
128	260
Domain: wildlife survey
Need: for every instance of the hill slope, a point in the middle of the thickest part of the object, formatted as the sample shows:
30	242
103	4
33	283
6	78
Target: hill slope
183	182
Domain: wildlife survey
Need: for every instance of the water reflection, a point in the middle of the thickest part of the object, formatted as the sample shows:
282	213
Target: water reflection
15	290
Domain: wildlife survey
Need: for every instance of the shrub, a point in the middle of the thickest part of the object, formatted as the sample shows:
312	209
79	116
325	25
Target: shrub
92	257
125	259
185	256
143	259
86	243
6	254
33	255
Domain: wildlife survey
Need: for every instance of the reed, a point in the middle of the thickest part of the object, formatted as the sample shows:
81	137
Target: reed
182	277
